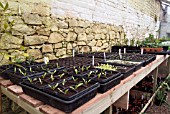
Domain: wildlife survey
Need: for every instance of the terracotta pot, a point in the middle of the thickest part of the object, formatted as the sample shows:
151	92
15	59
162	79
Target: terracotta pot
159	49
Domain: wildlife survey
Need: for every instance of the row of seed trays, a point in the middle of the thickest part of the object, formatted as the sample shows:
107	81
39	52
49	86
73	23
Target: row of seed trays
68	83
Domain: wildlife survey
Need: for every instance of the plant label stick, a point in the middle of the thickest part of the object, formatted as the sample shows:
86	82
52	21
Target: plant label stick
124	50
104	56
46	60
93	60
120	55
141	51
119	51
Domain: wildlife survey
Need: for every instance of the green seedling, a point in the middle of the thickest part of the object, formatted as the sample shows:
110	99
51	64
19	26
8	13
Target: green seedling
52	77
15	69
74	79
64	81
40	81
30	80
31	69
76	86
89	74
54	86
22	72
86	81
61	75
87	68
82	68
76	71
64	92
99	75
43	76
57	65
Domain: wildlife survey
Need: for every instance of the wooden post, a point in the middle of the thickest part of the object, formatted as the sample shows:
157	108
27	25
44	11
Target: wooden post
108	110
168	65
155	75
123	102
0	101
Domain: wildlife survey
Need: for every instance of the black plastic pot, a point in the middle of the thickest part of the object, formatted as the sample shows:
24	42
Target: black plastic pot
110	84
64	105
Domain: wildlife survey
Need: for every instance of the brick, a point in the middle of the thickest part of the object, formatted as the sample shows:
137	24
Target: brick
6	83
50	110
15	89
30	100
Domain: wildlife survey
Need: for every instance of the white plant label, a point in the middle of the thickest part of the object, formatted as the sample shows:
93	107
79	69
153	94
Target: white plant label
124	51
119	51
141	51
104	54
93	60
46	60
120	55
73	53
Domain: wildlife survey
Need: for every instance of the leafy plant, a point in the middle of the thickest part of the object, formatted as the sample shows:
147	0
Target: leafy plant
53	87
64	92
61	75
24	74
86	81
76	71
89	74
41	82
76	86
74	79
63	82
30	80
43	76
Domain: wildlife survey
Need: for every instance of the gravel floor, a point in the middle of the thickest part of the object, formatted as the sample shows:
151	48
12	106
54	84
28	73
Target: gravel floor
164	109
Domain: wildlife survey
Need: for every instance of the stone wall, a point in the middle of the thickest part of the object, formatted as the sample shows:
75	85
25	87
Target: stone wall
55	27
44	33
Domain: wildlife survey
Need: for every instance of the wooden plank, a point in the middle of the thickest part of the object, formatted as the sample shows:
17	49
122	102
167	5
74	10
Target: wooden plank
20	102
0	101
1	79
155	75
123	102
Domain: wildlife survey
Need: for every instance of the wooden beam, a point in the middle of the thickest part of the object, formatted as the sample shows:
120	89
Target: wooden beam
123	102
168	65
21	103
108	110
155	75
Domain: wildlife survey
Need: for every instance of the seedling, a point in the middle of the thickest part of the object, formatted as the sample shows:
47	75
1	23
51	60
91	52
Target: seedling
82	68
54	86
61	75
52	77
43	76
74	79
31	69
64	81
40	81
76	86
64	92
86	81
76	71
87	68
22	72
30	80
99	75
89	74
57	65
